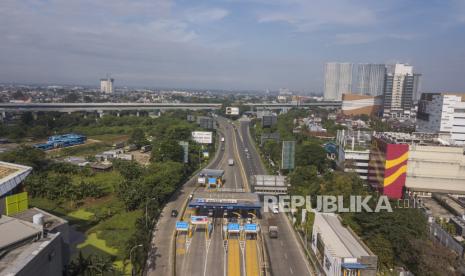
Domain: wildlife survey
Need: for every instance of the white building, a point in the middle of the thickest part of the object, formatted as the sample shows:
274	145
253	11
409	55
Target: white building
353	151
442	113
106	85
338	250
338	80
400	88
370	79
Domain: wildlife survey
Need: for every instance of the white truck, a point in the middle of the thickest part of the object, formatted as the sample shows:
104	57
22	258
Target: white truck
272	228
231	162
222	139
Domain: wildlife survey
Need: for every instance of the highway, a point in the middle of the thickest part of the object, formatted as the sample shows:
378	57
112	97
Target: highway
160	259
209	257
201	256
286	256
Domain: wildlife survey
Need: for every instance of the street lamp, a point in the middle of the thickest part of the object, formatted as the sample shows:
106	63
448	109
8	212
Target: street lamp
146	211
133	271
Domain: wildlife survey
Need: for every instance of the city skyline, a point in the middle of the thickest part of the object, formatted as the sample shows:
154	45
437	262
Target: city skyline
231	45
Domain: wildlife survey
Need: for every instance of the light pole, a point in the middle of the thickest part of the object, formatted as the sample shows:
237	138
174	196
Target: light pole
133	271
146	211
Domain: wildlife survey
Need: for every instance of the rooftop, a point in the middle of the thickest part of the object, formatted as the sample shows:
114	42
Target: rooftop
418	138
338	239
225	200
50	221
11	175
20	242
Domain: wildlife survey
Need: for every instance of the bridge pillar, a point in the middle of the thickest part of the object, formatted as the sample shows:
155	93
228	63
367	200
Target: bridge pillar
118	114
137	114
100	113
34	115
3	116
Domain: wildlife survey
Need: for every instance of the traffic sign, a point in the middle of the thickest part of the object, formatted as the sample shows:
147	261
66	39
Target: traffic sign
182	226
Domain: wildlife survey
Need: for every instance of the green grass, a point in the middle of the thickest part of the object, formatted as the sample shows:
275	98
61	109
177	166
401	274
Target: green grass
109	138
118	229
107	180
81	214
95	241
85	150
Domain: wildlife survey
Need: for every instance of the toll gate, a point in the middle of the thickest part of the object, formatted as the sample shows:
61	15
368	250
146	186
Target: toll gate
226	200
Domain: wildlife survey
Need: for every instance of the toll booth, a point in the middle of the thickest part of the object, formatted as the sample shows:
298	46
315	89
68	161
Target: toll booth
251	230
210	178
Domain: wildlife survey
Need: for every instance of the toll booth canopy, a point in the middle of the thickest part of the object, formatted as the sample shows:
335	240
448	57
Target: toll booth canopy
225	200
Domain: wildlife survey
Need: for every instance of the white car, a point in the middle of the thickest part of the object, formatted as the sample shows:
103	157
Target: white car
275	209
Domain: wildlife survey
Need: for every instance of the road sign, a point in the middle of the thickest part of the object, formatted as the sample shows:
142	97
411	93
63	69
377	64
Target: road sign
288	155
182	226
250	228
233	227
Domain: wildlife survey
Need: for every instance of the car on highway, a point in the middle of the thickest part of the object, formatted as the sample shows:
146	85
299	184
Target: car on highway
231	162
174	213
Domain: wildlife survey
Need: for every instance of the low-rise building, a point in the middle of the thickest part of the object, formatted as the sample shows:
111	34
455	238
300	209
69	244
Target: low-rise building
339	250
270	184
416	163
33	242
353	151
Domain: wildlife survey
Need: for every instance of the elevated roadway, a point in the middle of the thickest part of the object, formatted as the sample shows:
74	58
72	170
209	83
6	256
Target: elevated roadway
100	107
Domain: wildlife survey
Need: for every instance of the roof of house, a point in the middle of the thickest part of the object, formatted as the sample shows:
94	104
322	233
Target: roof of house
11	175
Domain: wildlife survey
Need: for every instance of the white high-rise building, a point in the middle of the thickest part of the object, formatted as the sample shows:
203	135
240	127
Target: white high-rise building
400	86
106	85
338	80
442	113
370	79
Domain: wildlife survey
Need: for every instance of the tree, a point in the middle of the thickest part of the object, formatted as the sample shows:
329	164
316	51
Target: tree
26	155
311	154
167	150
138	138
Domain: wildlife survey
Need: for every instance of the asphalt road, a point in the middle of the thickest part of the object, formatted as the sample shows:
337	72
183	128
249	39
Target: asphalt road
204	257
160	259
286	256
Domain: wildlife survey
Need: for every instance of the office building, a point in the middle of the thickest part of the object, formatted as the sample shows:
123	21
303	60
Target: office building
106	85
442	113
353	151
370	79
338	80
400	86
418	163
339	250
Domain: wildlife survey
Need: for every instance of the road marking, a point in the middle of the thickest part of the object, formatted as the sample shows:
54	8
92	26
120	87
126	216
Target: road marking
290	269
285	256
282	244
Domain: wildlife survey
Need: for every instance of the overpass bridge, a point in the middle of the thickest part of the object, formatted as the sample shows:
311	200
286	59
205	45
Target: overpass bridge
323	104
101	108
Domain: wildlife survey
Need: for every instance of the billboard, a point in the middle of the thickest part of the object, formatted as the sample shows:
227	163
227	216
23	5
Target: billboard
231	110
288	155
185	148
202	137
199	220
16	203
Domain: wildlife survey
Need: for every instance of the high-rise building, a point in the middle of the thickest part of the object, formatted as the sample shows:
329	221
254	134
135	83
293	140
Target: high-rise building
400	86
370	79
106	85
338	80
442	113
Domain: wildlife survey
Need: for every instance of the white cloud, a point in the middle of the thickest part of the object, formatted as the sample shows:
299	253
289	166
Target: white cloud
311	15
206	15
363	38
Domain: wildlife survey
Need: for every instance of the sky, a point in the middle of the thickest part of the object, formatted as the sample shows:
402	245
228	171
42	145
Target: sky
227	44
